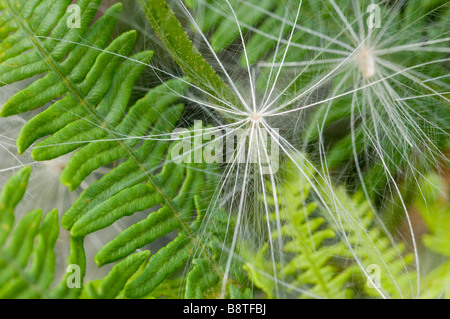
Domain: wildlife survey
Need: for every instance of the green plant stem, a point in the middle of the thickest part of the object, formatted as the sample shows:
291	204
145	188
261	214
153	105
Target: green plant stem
183	51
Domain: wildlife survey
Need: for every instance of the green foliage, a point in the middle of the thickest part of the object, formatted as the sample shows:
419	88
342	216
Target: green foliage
83	80
183	51
375	122
372	123
434	209
112	285
27	257
320	253
94	82
202	280
437	283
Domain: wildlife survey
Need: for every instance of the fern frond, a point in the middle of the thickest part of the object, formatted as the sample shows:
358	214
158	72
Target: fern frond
209	262
433	206
325	259
435	210
83	80
185	54
225	29
437	283
112	285
199	278
94	79
27	257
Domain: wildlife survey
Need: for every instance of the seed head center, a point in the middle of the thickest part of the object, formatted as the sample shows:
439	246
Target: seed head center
255	117
366	62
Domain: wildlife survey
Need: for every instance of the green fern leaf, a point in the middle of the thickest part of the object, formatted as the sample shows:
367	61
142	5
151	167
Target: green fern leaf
201	277
94	79
185	54
27	257
315	245
112	285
